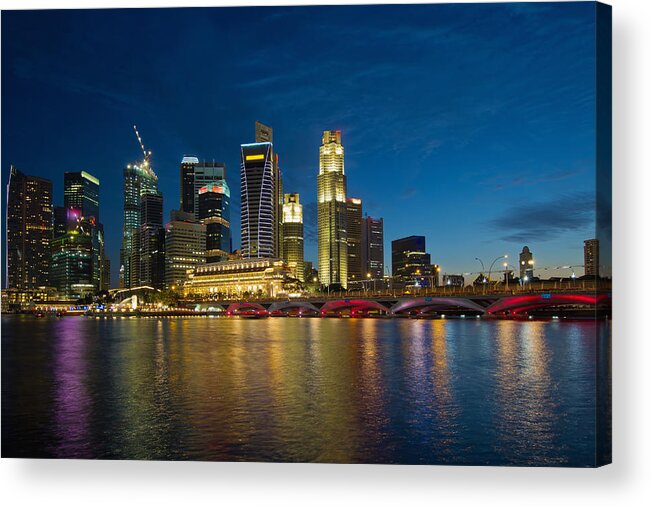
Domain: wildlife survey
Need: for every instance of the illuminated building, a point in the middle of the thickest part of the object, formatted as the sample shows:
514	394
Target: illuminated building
591	257
196	175
354	240
259	191
139	180
436	270
71	271
151	239
105	278
29	230
241	278
526	264
453	280
373	247
214	213
410	263
331	211
185	248
81	192
292	235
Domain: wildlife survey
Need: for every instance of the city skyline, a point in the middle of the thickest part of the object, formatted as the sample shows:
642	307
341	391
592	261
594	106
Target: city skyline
522	194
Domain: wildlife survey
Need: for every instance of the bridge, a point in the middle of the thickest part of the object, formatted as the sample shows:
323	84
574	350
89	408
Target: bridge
492	305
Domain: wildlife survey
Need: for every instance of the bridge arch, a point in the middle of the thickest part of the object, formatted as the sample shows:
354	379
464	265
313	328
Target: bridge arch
518	304
244	307
285	307
435	303
353	305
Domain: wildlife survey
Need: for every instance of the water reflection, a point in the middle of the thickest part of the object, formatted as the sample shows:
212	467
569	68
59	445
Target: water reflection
328	390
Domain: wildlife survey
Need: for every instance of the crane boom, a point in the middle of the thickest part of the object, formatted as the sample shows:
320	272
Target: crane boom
147	154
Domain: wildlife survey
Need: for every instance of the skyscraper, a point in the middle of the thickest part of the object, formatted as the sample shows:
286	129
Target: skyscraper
259	196
293	249
214	213
139	180
354	239
29	230
591	257
81	193
185	247
331	210
151	236
373	247
410	263
196	175
71	271
526	264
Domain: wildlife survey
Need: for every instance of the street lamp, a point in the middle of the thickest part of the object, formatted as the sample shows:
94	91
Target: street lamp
493	263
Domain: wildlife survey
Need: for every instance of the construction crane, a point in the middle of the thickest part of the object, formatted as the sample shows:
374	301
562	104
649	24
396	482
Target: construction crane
147	154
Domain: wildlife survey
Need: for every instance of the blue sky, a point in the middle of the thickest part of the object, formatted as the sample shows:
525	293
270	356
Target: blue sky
471	124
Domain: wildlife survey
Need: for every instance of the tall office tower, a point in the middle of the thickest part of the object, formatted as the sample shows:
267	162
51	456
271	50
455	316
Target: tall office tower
293	235
591	257
331	207
59	221
354	239
151	255
214	213
72	257
196	175
265	134
258	186
410	263
81	192
139	180
185	248
526	264
29	230
373	247
105	278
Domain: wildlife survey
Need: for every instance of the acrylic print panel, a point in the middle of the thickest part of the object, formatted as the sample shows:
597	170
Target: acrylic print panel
351	234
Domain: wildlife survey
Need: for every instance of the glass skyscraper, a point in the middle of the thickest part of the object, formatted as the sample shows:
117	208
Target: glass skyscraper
356	271
139	179
331	208
373	247
214	213
411	265
196	175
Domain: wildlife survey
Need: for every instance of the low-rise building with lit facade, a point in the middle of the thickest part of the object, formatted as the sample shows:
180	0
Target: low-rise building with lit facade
266	277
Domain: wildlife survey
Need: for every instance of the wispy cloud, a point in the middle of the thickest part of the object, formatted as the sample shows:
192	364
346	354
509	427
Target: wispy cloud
546	220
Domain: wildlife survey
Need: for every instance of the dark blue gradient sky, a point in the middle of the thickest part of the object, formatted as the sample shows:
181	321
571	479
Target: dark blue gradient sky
473	125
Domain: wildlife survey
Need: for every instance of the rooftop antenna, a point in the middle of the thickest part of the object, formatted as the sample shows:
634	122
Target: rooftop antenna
147	154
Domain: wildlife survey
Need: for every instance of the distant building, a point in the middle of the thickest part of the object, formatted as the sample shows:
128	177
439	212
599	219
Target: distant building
591	257
356	272
331	211
29	230
81	193
410	263
194	176
151	255
185	248
260	220
373	247
453	281
139	180
214	213
71	271
105	279
240	278
526	264
292	235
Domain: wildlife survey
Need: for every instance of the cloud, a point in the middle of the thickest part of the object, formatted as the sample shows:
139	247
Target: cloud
547	220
